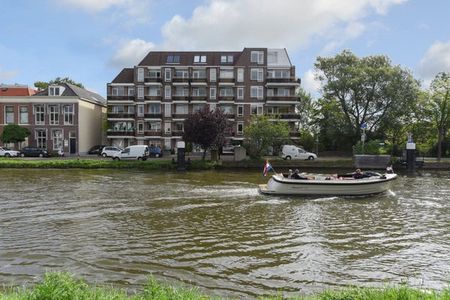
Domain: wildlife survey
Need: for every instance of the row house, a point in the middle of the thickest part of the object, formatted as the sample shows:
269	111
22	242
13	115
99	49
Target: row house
64	116
147	104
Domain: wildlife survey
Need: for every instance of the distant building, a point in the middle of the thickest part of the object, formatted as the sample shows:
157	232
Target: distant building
147	104
62	116
16	90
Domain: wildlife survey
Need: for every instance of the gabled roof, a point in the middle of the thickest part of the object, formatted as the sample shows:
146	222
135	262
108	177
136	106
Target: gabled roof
75	91
125	76
16	90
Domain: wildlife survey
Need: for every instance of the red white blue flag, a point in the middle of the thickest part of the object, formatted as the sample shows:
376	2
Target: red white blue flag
267	168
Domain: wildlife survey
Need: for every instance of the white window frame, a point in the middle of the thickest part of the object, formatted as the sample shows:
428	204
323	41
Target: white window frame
23	115
40	136
259	109
167	110
200	59
54	115
226	74
259	92
257	74
140	110
57	139
130	91
167	74
69	111
241	131
257	57
213	74
167	92
140	75
140	92
39	114
240	110
9	115
240	75
212	93
240	93
140	126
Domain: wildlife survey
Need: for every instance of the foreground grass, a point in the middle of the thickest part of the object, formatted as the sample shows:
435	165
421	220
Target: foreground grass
62	286
55	163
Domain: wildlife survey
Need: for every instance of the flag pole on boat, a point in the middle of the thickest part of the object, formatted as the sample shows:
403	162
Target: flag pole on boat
267	168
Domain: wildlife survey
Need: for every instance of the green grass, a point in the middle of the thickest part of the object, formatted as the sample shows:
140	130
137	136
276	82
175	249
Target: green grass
62	286
56	163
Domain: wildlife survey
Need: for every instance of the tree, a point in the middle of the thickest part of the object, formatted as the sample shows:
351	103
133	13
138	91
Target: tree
206	128
438	108
262	133
42	85
13	133
305	108
369	90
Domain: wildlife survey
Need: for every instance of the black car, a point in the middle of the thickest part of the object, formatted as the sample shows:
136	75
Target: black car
33	151
97	149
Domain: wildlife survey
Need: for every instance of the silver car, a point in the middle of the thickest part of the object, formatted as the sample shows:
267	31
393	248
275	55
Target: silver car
8	153
110	151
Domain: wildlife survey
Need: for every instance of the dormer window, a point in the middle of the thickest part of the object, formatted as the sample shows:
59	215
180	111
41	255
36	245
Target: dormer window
55	90
200	59
224	59
173	59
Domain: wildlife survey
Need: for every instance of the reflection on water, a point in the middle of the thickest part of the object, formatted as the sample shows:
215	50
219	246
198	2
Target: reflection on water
214	230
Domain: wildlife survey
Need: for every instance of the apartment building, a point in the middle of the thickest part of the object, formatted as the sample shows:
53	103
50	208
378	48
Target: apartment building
62	116
147	104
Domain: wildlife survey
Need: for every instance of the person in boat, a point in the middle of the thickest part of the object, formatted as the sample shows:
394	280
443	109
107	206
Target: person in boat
290	174
297	175
359	175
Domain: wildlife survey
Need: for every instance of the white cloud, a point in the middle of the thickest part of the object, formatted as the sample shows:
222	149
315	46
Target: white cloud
234	24
310	84
435	60
7	75
136	11
130	53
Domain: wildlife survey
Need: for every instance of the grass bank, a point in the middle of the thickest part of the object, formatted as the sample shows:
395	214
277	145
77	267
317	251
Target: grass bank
56	163
62	286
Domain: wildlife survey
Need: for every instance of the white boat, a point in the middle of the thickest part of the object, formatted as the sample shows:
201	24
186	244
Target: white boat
344	185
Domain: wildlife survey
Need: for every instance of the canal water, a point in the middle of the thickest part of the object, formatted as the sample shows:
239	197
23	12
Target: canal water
215	231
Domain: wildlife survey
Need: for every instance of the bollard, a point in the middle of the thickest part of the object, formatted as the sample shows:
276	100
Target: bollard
181	159
411	156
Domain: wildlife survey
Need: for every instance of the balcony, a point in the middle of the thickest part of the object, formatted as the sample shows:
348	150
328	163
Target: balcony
153	97
284	116
198	79
282	98
112	132
181	97
226	80
120	98
153	133
180	79
121	115
180	116
177	133
226	98
283	80
153	79
153	116
199	97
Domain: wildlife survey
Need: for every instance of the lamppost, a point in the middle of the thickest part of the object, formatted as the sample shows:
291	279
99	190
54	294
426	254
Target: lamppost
363	135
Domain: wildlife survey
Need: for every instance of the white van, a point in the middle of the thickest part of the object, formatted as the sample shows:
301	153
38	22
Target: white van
139	152
294	152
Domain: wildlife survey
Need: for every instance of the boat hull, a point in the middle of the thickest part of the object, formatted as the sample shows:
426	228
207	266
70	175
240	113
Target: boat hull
279	185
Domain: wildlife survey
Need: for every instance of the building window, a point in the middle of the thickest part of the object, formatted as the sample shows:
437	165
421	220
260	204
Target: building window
167	74
140	92
54	114
200	59
140	110
240	128
256	92
68	114
240	110
256	110
181	74
39	114
256	74
228	109
240	75
226	73
118	91
57	137
155	126
167	110
167	92
212	106
131	109
140	74
154	91
226	92
279	73
41	138
199	92
9	114
212	93
199	73
118	109
154	108
224	59
212	75
140	127
154	73
179	126
53	91
173	59
197	107
240	93
272	110
181	109
130	92
23	115
257	57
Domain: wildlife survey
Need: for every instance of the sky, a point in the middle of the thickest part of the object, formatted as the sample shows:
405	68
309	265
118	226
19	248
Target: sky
90	41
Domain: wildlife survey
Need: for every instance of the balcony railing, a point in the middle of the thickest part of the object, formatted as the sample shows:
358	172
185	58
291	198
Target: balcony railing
120	132
199	79
121	115
228	80
153	132
115	98
180	116
148	97
199	97
284	116
153	79
181	97
226	98
153	116
284	79
180	79
177	133
283	98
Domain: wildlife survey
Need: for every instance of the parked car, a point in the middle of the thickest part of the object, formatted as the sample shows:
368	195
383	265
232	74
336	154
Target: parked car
109	151
139	152
33	151
294	152
155	151
7	152
97	149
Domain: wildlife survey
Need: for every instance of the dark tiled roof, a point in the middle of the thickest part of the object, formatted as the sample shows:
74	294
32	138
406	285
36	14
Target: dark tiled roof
75	91
125	76
158	58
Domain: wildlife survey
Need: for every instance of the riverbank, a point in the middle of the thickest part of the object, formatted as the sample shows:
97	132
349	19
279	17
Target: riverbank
195	163
64	286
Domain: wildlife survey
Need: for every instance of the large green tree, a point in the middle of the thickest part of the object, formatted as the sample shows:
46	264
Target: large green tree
42	85
369	90
13	133
438	108
262	133
206	128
